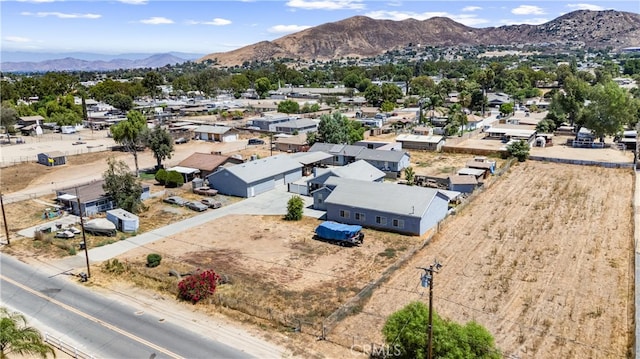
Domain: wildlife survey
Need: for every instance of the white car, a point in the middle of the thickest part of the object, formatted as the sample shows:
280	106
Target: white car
65	234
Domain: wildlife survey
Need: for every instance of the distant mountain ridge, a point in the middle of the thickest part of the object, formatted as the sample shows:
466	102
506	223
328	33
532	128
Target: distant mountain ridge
44	62
361	36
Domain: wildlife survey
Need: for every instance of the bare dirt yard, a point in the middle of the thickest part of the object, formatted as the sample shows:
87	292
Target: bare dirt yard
543	259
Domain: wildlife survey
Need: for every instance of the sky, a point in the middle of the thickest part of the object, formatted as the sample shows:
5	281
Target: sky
203	27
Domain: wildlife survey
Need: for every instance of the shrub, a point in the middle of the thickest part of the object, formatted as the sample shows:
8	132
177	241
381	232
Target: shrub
114	266
174	179
295	207
519	150
198	286
153	260
161	176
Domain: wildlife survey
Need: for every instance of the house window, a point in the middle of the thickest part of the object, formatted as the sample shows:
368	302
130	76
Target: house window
381	220
398	223
359	216
320	199
344	214
336	158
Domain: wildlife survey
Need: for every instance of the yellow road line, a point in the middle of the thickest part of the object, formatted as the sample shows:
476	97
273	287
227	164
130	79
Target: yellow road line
91	318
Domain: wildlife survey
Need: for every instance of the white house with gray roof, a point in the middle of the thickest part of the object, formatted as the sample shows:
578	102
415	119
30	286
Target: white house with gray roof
216	133
300	125
387	161
341	154
385	206
359	170
254	177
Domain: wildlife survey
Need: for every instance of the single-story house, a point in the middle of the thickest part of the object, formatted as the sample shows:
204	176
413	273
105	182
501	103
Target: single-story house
310	160
52	158
254	177
125	221
93	198
462	183
380	145
413	210
207	163
216	133
295	126
483	164
359	170
421	142
269	122
341	154
297	143
387	161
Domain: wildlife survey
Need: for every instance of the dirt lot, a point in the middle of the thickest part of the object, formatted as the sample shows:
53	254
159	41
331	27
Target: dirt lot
543	259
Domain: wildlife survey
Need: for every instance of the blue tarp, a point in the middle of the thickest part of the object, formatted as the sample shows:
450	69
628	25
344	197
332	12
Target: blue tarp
334	230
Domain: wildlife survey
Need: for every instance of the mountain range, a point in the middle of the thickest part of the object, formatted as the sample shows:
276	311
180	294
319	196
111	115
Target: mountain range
83	61
362	36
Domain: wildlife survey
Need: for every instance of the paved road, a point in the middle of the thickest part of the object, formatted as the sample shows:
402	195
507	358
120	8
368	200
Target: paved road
104	327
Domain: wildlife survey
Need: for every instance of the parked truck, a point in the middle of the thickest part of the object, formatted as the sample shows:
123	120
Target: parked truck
341	234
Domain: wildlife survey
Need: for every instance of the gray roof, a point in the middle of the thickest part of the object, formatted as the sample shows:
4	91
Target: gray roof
359	170
334	149
307	158
394	198
263	168
471	171
463	179
299	123
419	138
212	129
381	155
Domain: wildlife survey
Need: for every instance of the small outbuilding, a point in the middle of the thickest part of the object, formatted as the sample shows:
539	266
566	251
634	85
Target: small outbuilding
52	158
462	183
125	221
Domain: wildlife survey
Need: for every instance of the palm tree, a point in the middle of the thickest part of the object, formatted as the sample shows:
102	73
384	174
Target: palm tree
17	337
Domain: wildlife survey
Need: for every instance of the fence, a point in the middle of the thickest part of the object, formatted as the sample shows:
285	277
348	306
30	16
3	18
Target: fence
15	160
583	162
66	348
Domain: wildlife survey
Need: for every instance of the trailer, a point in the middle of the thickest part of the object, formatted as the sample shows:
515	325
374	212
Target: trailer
341	234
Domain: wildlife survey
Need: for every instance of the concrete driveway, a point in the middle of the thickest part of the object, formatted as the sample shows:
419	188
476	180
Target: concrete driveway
273	202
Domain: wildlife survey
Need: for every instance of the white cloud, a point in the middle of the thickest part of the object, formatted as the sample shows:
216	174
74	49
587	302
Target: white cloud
215	22
471	8
134	2
469	20
286	29
585	7
17	39
158	20
531	21
326	4
527	10
403	15
62	15
394	3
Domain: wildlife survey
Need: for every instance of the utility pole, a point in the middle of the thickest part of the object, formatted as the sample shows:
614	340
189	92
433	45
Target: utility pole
84	240
427	281
4	220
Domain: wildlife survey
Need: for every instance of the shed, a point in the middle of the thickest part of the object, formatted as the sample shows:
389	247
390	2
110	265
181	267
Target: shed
53	158
463	183
124	221
421	142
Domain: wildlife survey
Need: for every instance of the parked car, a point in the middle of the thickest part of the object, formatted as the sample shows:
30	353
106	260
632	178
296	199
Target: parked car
196	206
74	230
65	234
182	140
256	141
211	203
175	200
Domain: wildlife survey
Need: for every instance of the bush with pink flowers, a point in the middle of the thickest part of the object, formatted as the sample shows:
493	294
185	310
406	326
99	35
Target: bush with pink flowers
198	286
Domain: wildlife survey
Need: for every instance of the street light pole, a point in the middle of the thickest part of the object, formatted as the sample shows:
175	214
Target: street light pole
427	281
84	238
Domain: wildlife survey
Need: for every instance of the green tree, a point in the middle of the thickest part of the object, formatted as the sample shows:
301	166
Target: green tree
337	128
161	176
151	82
373	94
288	107
390	92
295	207
519	150
387	106
8	119
120	101
262	86
18	338
506	108
160	142
409	175
610	109
174	179
122	186
129	134
406	335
